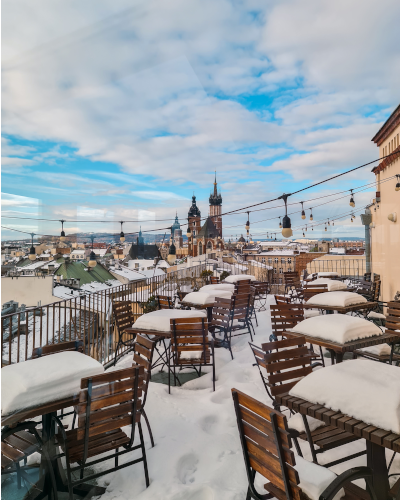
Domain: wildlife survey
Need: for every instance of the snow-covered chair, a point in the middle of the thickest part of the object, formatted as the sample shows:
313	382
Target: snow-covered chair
282	364
124	319
109	411
165	302
266	446
190	347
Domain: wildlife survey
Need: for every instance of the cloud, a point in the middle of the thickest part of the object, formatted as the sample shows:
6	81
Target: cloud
158	195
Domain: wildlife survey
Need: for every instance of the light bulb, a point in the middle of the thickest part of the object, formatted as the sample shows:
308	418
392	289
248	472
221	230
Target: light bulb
311	217
122	237
303	215
62	236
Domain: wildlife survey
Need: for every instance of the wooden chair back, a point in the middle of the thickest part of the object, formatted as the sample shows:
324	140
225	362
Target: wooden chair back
164	302
266	446
311	290
286	362
73	345
285	316
143	356
376	290
214	280
393	317
108	402
242	286
292	279
281	299
221	313
189	341
241	305
123	314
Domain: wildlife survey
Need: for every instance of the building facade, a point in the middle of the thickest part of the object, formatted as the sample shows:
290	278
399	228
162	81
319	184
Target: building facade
385	225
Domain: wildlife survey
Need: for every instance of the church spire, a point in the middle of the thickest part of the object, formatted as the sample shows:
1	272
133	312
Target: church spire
215	184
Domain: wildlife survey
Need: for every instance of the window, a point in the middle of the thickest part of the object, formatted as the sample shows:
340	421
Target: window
269	260
200	248
194	223
280	270
282	261
276	260
280	281
289	261
194	232
275	270
263	260
289	270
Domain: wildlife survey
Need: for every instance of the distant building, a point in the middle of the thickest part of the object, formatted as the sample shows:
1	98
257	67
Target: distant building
142	251
176	233
216	207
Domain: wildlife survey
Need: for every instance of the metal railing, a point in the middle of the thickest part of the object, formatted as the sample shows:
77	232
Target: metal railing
353	268
89	317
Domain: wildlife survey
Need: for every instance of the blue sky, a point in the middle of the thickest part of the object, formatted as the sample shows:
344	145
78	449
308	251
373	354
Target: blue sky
122	110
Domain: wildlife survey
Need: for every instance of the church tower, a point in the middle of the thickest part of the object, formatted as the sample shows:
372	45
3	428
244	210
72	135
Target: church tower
216	207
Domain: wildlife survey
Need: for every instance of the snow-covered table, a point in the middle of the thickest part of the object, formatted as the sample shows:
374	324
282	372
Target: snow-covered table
234	278
158	322
41	387
360	397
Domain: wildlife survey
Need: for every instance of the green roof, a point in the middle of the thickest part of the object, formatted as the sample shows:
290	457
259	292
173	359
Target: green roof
23	263
76	270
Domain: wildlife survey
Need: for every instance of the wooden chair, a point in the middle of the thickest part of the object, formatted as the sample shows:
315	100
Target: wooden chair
310	290
262	289
17	444
164	302
292	280
282	299
124	318
107	402
231	315
143	356
46	350
286	316
282	364
214	280
392	326
190	347
266	447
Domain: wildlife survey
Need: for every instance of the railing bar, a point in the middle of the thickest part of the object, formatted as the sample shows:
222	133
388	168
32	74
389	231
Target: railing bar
41	325
9	342
47	324
19	336
34	329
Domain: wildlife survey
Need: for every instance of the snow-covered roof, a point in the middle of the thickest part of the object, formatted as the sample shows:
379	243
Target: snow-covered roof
78	252
278	253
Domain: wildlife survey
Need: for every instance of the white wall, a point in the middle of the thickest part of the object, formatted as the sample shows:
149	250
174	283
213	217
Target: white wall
28	290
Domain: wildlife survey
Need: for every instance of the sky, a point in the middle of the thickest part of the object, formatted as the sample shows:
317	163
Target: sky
122	110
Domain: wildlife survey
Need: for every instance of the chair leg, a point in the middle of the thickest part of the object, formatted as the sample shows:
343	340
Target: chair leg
148	428
322	356
297	446
309	439
169	375
146	471
116	350
73	420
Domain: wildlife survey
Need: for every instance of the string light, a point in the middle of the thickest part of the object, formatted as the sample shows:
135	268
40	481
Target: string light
329	223
311	216
397	188
248	225
62	236
92	256
326	229
287	226
352	204
303	214
122	235
32	251
280	223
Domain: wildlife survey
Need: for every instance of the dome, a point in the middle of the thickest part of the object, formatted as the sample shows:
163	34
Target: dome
242	240
175	225
194	210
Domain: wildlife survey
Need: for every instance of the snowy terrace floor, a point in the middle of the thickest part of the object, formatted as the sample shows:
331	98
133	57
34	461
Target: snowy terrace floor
197	453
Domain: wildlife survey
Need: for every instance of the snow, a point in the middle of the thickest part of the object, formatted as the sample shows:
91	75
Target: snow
314	479
201	298
336	299
49	378
376	315
381	349
233	278
160	320
326	274
359	388
219	286
296	422
333	285
339	328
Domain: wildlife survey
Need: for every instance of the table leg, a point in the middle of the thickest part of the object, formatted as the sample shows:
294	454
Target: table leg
376	459
339	357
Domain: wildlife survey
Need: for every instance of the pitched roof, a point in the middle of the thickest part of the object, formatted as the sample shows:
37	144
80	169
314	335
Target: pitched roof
208	230
143	252
387	128
81	271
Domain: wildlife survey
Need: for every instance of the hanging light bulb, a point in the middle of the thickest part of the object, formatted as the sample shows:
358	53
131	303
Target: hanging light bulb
188	232
397	188
311	217
352	204
333	223
329	223
62	236
287	226
304	234
92	256
303	214
248	225
280	223
306	227
32	251
275	236
312	229
326	229
121	235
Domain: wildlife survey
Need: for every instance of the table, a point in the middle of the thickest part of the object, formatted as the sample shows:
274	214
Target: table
377	439
64	363
343	310
337	350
